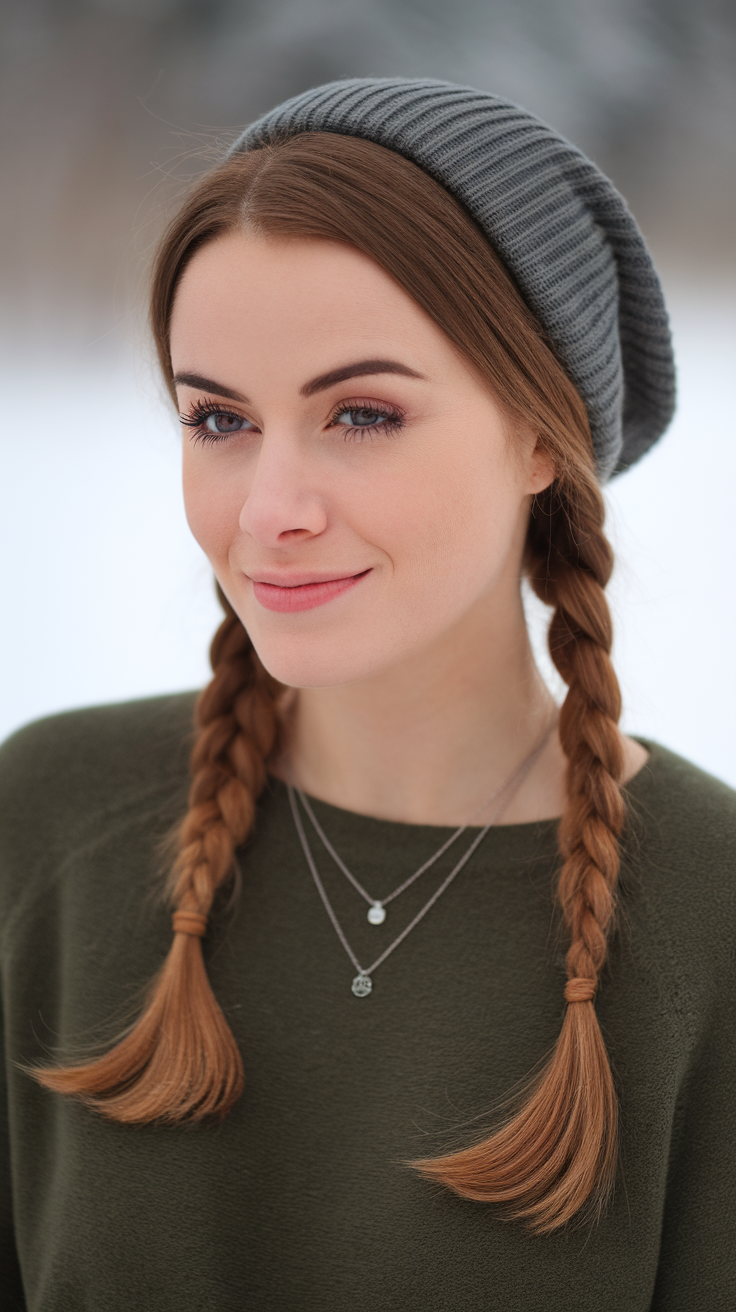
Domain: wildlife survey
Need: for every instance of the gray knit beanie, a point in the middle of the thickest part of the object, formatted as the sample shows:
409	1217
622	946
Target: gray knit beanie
558	223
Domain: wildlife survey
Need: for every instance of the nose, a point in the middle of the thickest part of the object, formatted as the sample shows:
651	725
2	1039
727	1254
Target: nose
283	505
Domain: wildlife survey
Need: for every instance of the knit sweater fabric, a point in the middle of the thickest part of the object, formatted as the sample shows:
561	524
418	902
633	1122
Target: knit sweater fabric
301	1198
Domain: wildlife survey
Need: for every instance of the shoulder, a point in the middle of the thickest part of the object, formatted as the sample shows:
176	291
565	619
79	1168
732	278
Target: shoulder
65	778
100	749
679	862
683	811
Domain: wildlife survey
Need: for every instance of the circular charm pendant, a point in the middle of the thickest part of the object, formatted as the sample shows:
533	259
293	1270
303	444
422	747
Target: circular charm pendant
376	914
362	985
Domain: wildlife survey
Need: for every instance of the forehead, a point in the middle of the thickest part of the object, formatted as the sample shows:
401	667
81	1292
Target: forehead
249	298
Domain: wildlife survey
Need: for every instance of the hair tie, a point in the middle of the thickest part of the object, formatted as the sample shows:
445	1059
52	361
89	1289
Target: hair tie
189	922
580	990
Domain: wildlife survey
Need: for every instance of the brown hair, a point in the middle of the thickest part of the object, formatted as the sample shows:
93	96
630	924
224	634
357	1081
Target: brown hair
557	1153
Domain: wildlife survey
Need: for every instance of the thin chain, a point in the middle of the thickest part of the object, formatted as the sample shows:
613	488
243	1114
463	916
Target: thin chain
407	882
509	790
384	901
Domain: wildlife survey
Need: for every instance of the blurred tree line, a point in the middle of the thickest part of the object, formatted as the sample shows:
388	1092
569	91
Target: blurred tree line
109	106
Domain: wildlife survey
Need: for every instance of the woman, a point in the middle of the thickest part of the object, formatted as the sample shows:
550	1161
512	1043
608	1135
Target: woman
410	331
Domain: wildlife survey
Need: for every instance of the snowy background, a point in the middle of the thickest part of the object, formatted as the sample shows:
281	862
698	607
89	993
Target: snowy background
108	107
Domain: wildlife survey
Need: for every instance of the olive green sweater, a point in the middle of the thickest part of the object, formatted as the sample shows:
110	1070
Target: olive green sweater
300	1201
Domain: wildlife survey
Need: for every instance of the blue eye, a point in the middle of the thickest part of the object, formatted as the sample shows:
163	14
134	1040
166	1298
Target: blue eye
357	421
360	418
222	424
210	423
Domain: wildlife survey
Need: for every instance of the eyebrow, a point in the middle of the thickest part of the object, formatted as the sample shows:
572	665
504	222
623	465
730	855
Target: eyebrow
360	369
207	385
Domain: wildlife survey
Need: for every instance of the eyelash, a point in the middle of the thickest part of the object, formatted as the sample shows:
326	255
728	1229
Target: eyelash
197	417
391	422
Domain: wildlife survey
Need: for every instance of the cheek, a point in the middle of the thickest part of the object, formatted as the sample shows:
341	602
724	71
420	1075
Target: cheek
448	524
212	503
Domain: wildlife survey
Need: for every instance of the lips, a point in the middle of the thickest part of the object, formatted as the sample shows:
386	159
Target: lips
291	596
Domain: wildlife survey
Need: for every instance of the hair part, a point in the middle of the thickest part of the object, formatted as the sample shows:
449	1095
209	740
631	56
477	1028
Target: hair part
557	1154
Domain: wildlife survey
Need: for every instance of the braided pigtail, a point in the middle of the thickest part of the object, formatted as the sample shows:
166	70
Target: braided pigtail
180	1060
558	1153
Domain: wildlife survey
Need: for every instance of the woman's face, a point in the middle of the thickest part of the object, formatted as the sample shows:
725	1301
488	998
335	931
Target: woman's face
358	491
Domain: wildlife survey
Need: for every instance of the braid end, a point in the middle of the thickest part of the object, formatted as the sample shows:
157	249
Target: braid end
555	1159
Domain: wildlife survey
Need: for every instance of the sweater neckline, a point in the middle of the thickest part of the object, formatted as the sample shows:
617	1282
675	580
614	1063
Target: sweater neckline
523	837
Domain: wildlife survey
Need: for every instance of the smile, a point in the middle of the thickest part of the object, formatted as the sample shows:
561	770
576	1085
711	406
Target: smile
290	597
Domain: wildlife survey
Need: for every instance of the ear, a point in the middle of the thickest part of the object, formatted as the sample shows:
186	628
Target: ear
541	469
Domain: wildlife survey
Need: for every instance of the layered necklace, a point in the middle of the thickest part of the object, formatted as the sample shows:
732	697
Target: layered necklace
362	983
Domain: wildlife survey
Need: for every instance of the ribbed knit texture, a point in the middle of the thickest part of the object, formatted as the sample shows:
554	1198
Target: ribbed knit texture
561	227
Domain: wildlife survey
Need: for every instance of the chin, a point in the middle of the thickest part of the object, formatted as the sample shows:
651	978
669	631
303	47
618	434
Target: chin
304	661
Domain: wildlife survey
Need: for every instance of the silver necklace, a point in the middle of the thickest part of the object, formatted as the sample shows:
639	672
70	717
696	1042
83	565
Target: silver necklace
376	907
362	984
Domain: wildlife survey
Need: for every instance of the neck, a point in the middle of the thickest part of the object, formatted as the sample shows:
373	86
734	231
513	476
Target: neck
428	741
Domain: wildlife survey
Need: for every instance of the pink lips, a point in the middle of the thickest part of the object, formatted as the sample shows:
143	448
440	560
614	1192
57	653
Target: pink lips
290	597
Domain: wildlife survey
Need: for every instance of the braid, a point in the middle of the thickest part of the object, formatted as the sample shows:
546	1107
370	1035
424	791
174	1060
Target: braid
580	638
558	1153
180	1060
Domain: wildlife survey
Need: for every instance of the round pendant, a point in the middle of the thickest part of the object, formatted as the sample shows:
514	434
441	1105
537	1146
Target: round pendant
362	985
376	914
